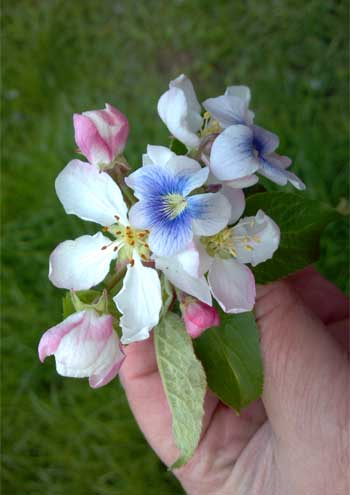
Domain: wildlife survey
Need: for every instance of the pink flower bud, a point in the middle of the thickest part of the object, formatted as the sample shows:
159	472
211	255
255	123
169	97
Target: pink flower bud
198	316
101	135
84	345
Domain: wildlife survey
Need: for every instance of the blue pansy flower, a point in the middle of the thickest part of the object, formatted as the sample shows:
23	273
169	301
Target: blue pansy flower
166	208
241	150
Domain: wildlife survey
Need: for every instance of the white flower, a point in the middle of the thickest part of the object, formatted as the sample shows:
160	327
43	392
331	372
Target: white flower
85	261
223	257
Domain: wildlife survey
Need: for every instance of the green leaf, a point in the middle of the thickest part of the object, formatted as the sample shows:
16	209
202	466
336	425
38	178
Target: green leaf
184	383
231	358
177	147
301	221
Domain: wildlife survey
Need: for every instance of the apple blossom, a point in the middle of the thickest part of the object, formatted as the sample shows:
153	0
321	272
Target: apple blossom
101	135
84	262
253	240
84	345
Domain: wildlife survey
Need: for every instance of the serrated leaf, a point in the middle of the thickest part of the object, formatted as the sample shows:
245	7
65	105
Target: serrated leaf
231	358
184	383
301	221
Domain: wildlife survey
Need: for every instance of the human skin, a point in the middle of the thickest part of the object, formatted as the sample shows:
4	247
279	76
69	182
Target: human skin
296	439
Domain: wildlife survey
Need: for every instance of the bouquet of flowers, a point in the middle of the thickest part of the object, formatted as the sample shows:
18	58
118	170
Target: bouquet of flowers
183	240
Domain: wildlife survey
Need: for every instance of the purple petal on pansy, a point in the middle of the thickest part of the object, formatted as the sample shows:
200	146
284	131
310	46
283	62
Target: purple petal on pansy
168	237
264	141
279	175
232	154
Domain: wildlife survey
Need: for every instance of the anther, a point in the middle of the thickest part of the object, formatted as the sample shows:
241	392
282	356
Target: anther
104	247
132	262
117	217
115	248
105	229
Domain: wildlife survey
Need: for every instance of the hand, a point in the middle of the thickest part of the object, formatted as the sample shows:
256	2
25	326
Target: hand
292	442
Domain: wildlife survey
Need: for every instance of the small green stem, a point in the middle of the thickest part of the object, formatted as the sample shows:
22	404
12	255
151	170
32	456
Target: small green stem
113	280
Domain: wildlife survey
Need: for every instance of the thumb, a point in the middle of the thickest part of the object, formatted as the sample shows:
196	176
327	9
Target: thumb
305	371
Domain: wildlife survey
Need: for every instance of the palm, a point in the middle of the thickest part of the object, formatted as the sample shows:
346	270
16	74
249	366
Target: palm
266	448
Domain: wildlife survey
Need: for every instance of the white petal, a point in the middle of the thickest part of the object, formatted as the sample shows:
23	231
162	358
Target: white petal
82	263
139	301
182	271
90	194
195	180
247	181
232	285
237	201
242	92
232	154
180	111
260	234
184	83
210	213
228	110
182	165
157	155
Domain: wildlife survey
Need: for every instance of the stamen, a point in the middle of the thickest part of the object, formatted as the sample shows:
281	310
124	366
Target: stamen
115	248
132	262
104	247
117	217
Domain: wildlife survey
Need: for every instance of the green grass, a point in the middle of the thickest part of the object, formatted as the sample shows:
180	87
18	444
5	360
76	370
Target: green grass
61	57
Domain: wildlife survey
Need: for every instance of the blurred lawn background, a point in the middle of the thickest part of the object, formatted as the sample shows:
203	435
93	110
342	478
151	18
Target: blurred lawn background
60	57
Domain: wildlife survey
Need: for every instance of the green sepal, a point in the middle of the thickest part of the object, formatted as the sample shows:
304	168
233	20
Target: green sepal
75	301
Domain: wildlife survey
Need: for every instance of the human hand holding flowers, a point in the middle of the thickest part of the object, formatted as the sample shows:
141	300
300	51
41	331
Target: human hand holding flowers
173	251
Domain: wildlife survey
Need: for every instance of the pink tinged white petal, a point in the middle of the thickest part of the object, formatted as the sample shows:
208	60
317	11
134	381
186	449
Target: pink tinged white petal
255	238
183	271
90	194
215	212
233	285
101	134
236	199
232	154
198	317
82	263
84	345
89	141
139	301
180	111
